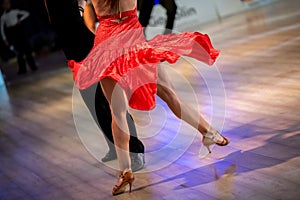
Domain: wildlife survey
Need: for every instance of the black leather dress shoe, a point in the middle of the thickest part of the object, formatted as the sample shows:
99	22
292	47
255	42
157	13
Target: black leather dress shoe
137	161
111	155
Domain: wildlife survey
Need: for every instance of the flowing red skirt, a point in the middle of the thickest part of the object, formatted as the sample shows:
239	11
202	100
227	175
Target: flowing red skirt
122	53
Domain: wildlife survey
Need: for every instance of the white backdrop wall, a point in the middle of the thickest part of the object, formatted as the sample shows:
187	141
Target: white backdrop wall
229	7
189	13
194	12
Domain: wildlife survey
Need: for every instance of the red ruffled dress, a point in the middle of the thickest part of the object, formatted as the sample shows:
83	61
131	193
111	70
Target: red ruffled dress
122	53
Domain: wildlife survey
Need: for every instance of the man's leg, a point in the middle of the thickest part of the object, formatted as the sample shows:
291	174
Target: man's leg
136	147
21	63
98	106
77	41
29	58
171	8
100	111
146	7
14	35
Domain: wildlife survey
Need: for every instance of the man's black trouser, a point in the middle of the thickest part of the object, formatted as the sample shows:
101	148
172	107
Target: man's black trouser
146	6
76	41
17	38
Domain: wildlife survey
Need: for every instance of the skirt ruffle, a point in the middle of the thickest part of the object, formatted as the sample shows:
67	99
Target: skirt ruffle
122	54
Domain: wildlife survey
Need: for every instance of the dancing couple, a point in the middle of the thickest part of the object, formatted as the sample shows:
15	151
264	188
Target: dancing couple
125	64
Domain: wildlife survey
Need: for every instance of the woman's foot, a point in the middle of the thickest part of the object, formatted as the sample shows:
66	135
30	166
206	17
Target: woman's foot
210	139
124	179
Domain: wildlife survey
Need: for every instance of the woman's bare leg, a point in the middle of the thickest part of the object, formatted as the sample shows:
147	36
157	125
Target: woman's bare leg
166	92
118	105
210	135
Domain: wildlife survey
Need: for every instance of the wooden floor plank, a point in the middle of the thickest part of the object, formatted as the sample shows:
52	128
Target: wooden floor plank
255	101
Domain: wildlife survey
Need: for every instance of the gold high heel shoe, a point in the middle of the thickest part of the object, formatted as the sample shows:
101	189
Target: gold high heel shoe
209	140
124	179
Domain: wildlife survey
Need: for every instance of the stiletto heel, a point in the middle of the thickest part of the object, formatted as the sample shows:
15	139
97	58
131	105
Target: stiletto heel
210	139
124	179
130	184
208	149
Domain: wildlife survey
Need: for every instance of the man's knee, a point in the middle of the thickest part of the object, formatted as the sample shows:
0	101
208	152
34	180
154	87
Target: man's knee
171	8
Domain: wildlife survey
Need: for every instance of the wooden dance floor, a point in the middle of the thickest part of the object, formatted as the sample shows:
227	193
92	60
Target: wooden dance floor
252	95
